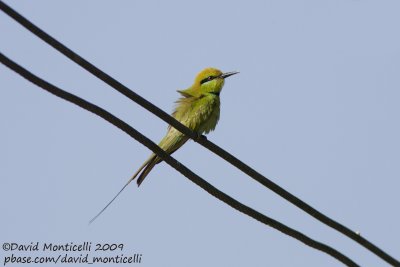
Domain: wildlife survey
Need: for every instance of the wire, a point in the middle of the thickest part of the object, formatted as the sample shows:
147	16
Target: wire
173	162
204	142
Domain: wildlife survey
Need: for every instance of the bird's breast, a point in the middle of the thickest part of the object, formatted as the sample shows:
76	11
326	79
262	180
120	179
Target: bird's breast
199	114
208	114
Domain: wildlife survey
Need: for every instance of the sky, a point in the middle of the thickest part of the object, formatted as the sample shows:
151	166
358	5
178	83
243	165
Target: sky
314	108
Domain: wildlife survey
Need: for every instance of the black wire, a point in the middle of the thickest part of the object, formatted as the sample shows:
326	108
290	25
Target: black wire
173	162
204	142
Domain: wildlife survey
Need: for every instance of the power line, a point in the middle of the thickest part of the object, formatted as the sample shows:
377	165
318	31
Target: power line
174	163
204	142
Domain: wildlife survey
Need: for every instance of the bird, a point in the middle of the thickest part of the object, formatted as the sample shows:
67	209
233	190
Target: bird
198	108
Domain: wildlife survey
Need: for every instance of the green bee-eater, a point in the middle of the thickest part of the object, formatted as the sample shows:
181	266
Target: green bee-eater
198	109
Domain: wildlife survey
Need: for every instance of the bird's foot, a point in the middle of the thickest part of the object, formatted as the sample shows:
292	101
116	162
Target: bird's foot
200	137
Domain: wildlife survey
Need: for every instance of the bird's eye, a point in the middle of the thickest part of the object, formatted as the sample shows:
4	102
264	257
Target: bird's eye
209	78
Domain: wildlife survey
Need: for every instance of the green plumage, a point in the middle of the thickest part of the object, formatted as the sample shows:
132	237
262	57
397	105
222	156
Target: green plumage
198	109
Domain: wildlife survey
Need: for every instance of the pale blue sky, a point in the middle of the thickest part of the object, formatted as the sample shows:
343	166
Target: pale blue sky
315	108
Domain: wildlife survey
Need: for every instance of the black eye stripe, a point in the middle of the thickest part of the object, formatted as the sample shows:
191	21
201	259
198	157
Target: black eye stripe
209	78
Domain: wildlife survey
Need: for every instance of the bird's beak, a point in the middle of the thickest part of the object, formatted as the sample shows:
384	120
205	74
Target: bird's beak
227	74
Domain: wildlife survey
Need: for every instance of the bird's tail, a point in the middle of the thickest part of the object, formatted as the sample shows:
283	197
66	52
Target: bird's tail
147	166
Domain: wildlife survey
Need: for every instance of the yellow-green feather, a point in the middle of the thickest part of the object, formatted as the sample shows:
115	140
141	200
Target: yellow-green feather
198	109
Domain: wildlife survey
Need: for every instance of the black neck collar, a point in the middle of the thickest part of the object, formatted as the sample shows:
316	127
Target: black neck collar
215	93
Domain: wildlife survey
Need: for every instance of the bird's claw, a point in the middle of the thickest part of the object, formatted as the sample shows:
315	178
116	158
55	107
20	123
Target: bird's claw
200	137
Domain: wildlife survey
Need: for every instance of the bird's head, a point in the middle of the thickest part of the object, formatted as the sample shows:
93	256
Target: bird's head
208	81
